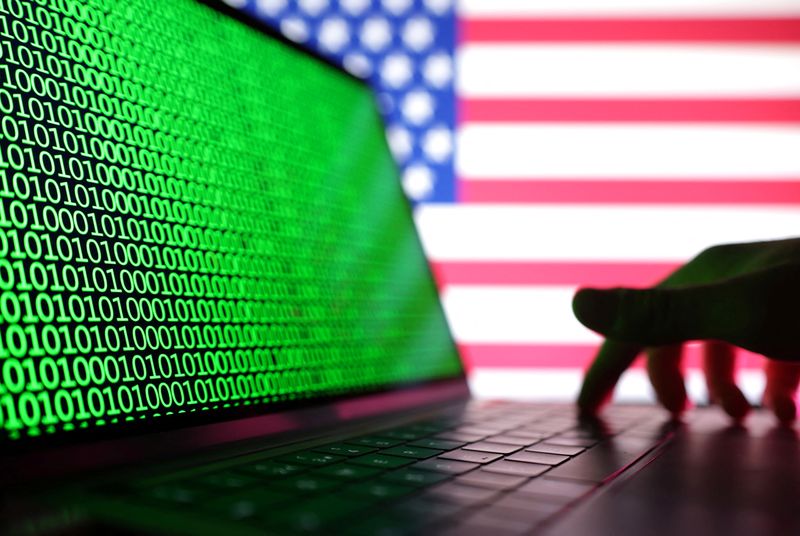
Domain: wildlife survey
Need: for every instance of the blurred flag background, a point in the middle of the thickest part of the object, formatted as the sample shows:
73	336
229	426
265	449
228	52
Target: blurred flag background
549	144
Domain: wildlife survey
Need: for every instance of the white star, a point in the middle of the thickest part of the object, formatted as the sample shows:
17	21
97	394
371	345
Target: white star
294	28
438	143
334	34
400	142
438	6
358	64
418	107
418	33
270	7
354	7
396	7
396	70
438	69
418	181
313	7
376	33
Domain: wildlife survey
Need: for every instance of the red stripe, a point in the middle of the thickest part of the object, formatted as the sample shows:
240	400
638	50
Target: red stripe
761	30
777	192
601	274
568	356
631	110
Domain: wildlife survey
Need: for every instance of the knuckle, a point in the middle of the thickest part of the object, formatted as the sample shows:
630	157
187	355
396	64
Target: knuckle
718	252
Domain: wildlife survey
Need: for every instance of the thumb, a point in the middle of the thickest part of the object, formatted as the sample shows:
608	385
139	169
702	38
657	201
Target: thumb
655	316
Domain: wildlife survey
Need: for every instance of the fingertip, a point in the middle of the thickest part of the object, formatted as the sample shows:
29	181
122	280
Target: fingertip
612	359
595	308
734	403
785	410
590	404
664	368
587	412
780	394
677	405
677	414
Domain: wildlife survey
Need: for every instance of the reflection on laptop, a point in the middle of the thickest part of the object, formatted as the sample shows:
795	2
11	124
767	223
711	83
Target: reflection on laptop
216	316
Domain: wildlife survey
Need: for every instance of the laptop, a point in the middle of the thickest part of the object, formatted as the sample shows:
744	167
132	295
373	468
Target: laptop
216	317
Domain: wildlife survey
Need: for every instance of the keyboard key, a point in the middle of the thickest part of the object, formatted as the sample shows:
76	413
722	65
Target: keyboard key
408	451
604	460
491	480
346	471
439	444
573	441
445	466
384	524
471	456
562	489
456	436
381	460
310	458
176	493
517	468
235	509
479	430
544	430
533	433
527	434
402	434
488	446
553	426
244	505
537	457
506	423
375	441
307	483
314	514
550	448
512	440
270	469
428	428
461	494
343	449
427	508
413	477
380	490
584	433
226	480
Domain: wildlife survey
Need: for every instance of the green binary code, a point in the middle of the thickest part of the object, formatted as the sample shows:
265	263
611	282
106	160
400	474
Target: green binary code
194	217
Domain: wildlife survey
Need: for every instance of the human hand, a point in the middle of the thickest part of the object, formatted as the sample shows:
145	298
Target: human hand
745	295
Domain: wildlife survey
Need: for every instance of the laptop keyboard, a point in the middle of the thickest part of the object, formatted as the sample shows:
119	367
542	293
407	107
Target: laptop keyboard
500	467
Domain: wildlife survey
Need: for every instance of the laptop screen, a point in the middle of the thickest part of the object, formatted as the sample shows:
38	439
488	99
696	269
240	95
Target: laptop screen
198	222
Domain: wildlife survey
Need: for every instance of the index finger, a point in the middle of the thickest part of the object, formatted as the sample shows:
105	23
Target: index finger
612	360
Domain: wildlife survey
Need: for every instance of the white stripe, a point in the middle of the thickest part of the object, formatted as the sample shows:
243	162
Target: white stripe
585	8
562	385
628	151
628	70
514	314
587	233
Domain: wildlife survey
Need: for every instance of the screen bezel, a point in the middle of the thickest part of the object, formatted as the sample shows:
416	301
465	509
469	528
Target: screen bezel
93	450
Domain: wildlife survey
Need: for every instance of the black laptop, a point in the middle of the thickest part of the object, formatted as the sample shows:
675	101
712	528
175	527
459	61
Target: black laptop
216	316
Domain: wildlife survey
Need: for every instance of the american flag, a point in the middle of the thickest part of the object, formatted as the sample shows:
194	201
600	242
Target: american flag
556	143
